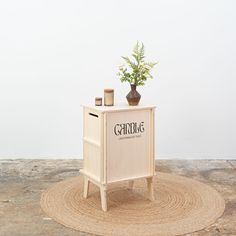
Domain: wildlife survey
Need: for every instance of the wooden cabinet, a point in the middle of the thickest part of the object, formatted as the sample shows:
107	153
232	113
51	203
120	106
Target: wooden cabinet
118	145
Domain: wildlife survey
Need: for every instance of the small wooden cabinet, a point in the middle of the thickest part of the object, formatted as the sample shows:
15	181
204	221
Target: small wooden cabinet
118	145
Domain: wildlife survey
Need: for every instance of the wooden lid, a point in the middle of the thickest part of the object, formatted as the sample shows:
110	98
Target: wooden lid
108	90
98	98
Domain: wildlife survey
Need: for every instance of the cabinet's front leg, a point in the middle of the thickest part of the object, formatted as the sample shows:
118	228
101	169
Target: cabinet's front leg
150	188
103	193
86	186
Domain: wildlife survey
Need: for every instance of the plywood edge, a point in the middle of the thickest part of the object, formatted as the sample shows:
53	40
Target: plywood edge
152	140
105	148
118	107
90	176
101	149
128	110
131	178
91	141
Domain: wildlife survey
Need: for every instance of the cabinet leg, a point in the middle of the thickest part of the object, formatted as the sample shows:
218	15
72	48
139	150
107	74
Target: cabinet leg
150	188
131	184
103	193
86	186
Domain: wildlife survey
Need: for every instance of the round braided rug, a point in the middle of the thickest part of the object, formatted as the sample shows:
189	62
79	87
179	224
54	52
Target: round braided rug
182	206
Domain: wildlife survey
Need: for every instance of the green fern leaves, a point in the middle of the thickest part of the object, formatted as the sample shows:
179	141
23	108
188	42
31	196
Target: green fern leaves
136	71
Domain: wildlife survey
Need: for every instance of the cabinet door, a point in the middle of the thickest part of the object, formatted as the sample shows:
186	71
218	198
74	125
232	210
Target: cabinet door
128	145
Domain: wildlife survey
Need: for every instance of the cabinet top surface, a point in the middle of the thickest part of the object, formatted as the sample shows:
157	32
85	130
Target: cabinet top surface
118	107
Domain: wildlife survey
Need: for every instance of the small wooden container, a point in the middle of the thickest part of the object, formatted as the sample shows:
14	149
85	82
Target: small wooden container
108	97
118	145
98	101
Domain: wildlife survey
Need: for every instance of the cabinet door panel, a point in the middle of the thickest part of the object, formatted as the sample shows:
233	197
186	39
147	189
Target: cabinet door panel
128	145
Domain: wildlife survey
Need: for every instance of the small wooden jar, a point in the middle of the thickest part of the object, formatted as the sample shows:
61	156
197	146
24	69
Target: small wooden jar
98	101
108	97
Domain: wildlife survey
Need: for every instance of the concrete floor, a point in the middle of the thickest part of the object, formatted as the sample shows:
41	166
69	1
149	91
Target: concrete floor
23	181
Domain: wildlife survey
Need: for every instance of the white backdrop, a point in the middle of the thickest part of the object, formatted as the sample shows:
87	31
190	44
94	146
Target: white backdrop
56	55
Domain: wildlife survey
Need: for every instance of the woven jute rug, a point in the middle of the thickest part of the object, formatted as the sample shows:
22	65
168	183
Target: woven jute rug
182	206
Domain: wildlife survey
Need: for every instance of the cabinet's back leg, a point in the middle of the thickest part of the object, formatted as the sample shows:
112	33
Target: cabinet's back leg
150	188
86	186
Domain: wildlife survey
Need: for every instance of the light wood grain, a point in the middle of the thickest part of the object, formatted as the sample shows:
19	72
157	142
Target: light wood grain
150	188
131	184
103	193
128	157
110	158
86	186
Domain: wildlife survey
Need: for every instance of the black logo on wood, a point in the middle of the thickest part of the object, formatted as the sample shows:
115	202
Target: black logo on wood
129	128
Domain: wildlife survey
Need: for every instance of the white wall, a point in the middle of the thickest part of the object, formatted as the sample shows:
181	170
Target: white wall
55	55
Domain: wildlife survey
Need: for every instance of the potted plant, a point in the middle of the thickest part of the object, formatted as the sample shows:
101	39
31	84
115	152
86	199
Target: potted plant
136	72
